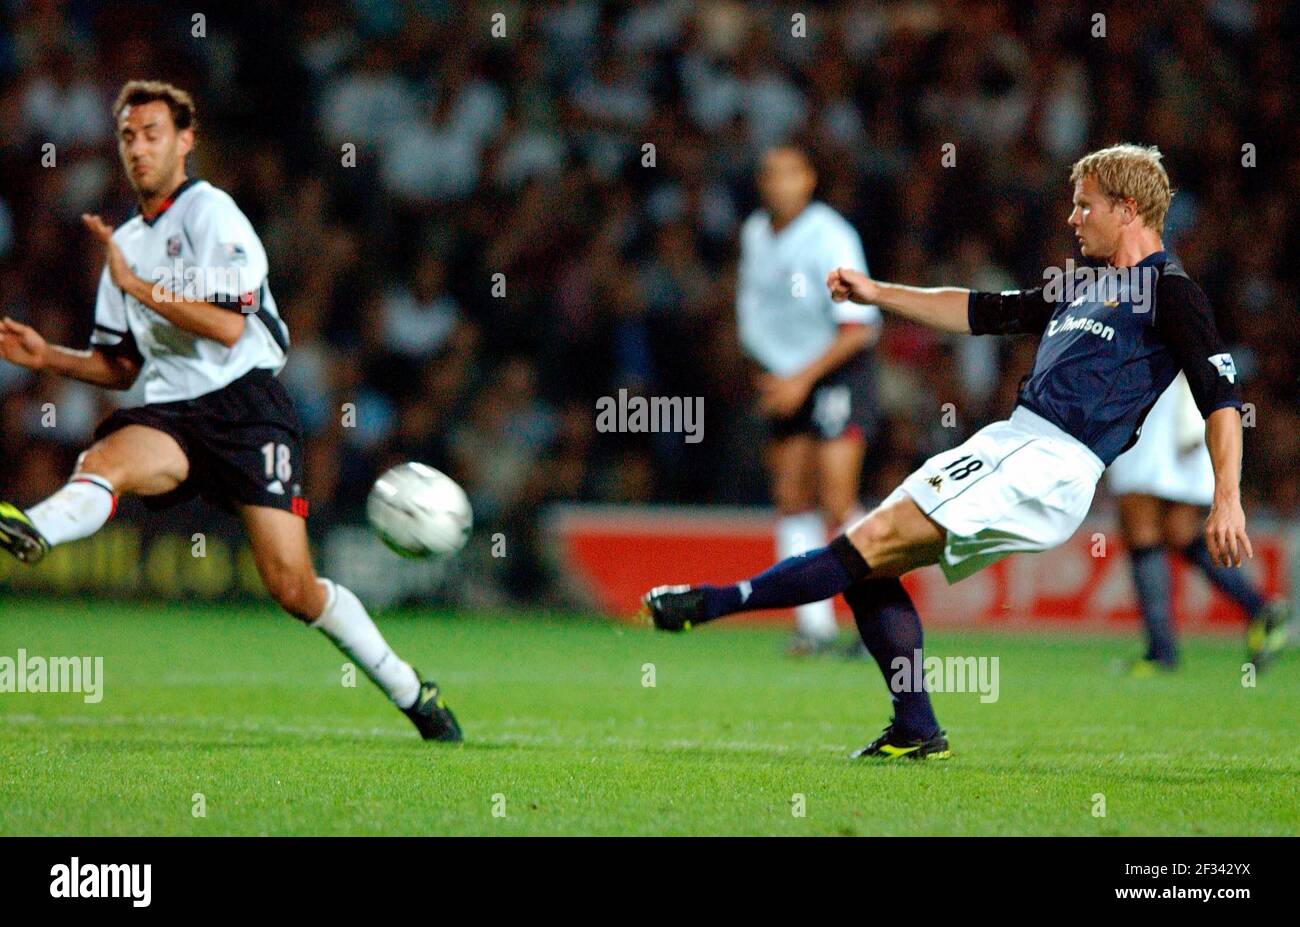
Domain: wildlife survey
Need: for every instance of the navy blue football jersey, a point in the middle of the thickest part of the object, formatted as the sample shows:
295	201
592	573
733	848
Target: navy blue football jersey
1111	346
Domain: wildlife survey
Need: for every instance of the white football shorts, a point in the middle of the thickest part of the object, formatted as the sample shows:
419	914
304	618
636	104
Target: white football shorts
1169	460
1014	486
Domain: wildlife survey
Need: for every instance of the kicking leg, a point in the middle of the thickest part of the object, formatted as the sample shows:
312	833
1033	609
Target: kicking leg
890	541
799	528
1140	524
136	459
283	557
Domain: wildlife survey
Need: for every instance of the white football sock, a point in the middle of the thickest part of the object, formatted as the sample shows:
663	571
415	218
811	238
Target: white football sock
798	534
76	511
345	622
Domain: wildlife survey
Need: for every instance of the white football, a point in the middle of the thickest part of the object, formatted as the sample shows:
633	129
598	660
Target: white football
419	511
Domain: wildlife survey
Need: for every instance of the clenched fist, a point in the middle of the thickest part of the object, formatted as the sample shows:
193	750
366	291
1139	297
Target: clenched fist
852	285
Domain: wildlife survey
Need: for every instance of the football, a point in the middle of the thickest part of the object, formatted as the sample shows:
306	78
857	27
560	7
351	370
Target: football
419	511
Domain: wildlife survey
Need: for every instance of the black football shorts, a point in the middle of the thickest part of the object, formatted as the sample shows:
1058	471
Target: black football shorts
243	442
841	405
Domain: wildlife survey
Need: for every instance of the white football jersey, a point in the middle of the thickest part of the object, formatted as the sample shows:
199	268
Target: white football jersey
202	247
785	312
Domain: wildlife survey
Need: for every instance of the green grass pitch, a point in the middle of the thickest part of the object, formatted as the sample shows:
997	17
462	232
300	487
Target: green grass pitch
246	708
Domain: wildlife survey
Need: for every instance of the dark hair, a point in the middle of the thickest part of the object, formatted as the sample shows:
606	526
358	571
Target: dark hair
137	92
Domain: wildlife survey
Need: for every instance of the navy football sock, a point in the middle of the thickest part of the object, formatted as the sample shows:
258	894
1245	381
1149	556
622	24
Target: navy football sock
891	629
1151	579
1228	580
810	577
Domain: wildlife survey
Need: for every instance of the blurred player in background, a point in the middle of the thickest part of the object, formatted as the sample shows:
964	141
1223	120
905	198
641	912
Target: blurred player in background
1105	355
817	386
202	330
1163	483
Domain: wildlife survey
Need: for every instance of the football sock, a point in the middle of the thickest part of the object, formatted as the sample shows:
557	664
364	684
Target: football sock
345	622
796	534
891	629
1151	579
811	577
1231	581
76	511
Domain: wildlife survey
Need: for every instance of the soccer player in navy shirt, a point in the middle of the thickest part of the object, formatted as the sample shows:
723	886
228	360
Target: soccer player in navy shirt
1113	339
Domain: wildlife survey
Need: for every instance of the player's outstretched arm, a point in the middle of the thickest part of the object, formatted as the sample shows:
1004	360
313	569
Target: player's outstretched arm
939	307
207	320
1225	529
23	345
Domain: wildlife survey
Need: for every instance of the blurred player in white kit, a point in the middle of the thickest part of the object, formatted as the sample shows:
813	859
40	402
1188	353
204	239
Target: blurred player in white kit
816	388
1163	484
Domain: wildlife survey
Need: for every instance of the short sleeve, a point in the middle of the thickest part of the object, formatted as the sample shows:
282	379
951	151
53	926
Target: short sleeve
229	252
111	328
844	249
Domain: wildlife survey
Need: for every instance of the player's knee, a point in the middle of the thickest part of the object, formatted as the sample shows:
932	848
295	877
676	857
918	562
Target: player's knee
791	497
838	508
96	461
876	535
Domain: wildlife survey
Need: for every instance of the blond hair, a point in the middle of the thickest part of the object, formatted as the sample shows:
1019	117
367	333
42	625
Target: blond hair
1130	172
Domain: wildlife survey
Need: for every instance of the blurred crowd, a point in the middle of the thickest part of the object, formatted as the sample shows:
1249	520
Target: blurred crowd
483	216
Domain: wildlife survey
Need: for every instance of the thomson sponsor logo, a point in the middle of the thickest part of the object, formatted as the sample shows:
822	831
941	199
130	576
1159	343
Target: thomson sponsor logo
1110	286
53	674
946	674
1070	323
657	414
103	880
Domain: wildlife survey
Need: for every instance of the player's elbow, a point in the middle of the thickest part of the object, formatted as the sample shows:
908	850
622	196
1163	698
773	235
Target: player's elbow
125	375
859	335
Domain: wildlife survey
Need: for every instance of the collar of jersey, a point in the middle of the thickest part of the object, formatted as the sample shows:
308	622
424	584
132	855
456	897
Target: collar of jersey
1155	257
803	214
167	203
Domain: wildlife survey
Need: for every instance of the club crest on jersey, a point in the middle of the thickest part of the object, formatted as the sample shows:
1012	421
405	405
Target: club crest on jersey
174	246
1223	363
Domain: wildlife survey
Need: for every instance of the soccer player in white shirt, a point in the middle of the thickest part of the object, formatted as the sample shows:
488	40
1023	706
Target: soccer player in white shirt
817	386
184	303
1162	484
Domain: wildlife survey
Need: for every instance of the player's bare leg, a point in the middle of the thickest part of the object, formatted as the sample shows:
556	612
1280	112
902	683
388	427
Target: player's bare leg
1266	620
135	460
283	557
792	462
839	472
